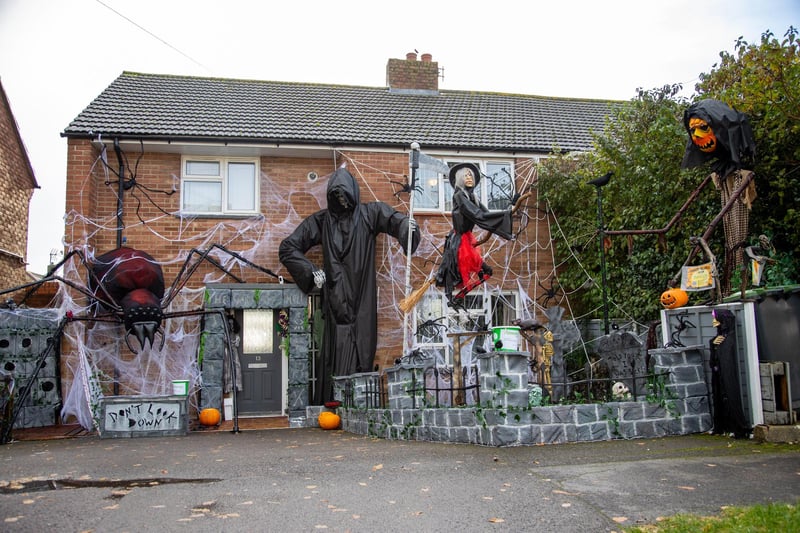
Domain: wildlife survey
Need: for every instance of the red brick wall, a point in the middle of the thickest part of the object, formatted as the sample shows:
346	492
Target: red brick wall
16	189
164	236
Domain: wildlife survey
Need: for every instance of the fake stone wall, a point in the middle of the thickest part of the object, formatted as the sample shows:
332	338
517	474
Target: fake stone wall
25	358
503	417
266	296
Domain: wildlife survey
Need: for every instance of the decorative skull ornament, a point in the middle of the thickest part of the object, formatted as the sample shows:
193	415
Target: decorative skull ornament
620	391
702	135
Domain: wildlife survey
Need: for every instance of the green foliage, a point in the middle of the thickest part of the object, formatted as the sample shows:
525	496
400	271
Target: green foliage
643	144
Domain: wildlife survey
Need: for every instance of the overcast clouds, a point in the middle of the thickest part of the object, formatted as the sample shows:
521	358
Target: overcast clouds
56	55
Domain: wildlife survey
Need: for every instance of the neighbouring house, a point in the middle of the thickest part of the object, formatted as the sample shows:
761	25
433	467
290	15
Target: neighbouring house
187	167
17	183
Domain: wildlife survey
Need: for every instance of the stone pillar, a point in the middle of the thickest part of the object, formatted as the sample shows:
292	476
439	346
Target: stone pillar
503	379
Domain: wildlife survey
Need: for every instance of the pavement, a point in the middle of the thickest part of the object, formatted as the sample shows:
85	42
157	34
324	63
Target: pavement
309	479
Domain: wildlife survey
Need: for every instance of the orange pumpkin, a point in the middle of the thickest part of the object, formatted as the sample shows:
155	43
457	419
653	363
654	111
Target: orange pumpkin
210	416
328	420
674	298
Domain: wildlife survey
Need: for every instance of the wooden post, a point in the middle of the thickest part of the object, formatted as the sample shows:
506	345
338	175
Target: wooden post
458	375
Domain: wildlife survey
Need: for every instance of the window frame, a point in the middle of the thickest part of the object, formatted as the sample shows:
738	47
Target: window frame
444	191
489	301
224	180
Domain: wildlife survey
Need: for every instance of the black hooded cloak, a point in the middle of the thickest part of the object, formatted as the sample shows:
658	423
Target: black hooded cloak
347	231
736	146
729	415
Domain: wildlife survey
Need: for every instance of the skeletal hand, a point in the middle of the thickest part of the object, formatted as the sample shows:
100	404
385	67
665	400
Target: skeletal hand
319	278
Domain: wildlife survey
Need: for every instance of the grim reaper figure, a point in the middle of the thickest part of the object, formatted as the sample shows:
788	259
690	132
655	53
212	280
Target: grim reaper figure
347	231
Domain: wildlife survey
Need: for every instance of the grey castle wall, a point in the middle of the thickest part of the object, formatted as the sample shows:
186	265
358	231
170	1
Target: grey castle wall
267	296
503	417
30	354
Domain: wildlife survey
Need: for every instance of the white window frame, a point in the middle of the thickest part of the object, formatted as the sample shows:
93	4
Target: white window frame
437	186
487	310
223	180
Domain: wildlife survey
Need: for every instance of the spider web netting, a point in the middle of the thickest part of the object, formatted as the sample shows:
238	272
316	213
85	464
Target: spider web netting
97	355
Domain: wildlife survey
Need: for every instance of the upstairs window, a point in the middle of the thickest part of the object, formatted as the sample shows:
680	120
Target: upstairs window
495	190
219	186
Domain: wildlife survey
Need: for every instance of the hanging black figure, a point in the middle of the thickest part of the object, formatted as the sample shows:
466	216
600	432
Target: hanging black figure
462	266
347	230
728	412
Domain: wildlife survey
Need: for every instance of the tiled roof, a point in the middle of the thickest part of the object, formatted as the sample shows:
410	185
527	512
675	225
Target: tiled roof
191	108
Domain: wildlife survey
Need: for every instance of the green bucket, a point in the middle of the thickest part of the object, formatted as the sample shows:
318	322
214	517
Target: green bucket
506	338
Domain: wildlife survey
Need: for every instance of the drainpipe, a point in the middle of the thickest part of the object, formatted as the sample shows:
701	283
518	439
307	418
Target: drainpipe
121	190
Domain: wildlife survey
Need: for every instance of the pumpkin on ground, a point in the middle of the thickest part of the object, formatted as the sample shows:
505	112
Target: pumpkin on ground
674	298
328	420
210	416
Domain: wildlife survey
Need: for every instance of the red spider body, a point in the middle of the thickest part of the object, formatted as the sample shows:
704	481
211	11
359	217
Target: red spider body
136	281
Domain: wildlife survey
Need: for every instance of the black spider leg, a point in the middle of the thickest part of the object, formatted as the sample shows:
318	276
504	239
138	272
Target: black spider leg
675	336
25	390
36	285
190	267
431	327
405	187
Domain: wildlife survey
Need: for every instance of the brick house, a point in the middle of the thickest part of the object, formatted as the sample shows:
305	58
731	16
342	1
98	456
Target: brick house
168	164
17	183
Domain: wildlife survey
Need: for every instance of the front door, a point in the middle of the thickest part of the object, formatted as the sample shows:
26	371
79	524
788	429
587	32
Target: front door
261	360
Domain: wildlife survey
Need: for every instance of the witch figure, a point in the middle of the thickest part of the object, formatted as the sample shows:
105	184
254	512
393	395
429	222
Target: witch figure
347	231
463	268
726	388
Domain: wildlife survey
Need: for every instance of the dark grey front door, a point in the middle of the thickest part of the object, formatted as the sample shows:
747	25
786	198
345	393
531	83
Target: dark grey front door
262	362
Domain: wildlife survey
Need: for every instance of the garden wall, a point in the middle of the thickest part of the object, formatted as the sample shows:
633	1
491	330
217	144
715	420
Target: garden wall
503	417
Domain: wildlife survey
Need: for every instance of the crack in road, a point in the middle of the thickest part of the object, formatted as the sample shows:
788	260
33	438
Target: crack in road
57	484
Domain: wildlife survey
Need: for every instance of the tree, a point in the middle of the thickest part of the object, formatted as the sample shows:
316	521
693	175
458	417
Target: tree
643	144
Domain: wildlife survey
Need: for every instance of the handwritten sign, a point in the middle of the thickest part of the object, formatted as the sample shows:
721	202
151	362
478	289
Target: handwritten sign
132	416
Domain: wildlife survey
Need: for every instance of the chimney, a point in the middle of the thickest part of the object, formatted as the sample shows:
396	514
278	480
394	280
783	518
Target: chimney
411	75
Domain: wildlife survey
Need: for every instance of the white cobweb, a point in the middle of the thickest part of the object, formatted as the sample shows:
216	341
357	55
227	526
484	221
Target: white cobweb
99	361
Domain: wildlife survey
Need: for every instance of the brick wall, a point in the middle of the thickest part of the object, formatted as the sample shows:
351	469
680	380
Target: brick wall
16	189
91	205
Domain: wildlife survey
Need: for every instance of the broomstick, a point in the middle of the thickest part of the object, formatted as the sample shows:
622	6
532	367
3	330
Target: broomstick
408	303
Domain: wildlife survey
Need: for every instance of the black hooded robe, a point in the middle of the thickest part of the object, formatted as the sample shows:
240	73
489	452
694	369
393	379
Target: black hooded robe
467	213
349	295
729	415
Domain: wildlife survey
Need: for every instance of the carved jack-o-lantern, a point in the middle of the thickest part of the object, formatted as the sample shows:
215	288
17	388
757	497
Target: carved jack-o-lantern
702	135
674	298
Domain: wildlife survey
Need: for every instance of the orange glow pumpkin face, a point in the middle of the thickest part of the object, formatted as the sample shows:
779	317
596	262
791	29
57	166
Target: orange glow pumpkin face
702	135
674	298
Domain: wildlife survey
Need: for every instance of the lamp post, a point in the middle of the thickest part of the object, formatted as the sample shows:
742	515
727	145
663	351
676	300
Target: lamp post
599	183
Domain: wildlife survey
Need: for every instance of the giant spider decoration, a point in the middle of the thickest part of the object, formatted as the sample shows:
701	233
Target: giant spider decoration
126	286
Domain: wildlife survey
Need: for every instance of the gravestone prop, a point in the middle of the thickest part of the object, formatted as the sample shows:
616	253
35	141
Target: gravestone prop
622	354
